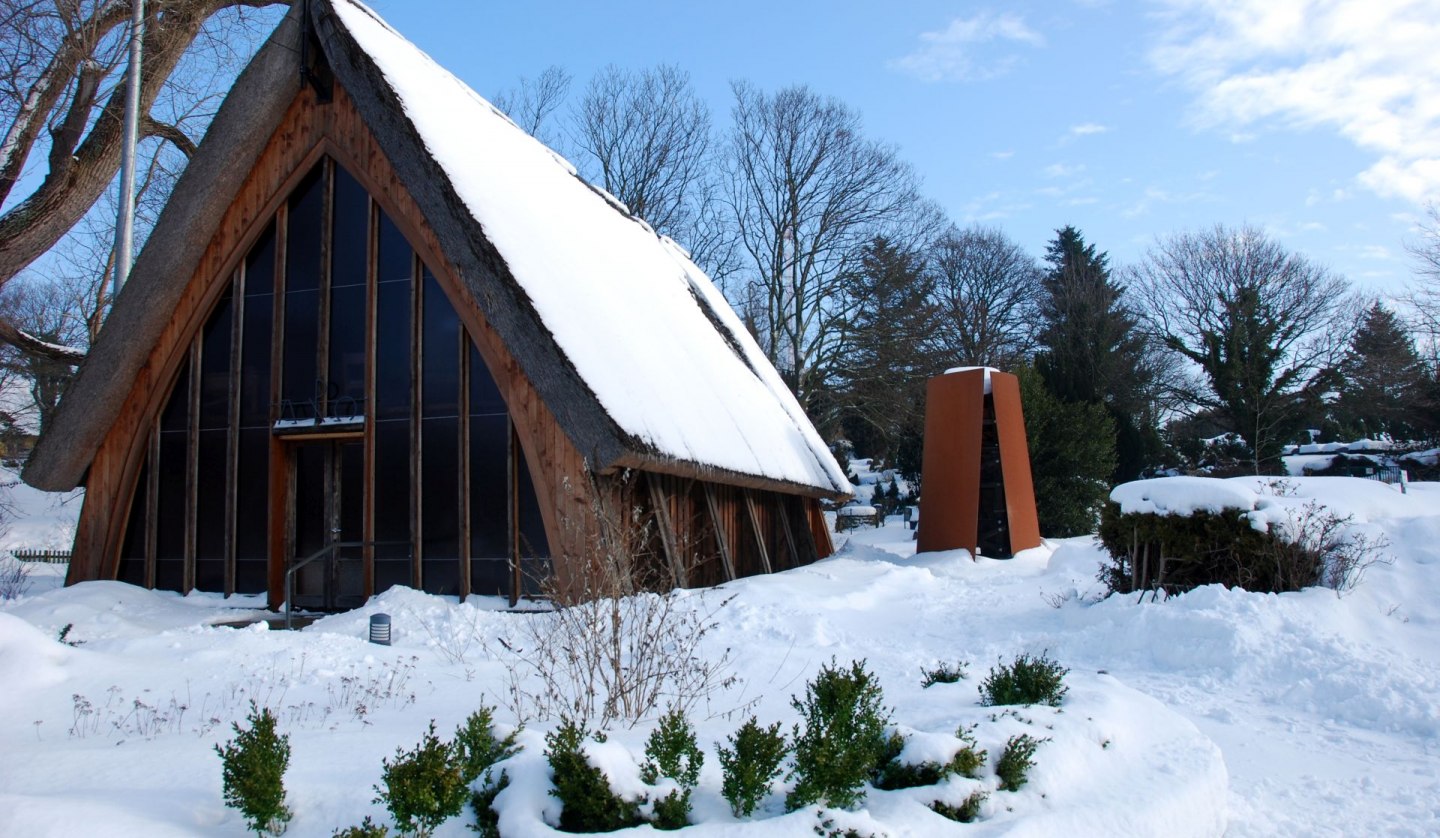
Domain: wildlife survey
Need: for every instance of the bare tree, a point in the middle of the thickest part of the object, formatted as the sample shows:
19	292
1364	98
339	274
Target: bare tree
645	138
61	98
532	103
808	192
1424	297
986	293
1265	327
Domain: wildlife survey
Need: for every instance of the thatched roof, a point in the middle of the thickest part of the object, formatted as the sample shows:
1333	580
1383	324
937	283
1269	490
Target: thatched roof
631	346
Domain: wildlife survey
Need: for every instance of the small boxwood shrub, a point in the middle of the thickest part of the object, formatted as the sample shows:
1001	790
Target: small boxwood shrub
584	793
671	752
1015	761
366	829
945	673
1028	680
843	738
477	747
967	812
750	764
425	786
487	820
253	772
894	774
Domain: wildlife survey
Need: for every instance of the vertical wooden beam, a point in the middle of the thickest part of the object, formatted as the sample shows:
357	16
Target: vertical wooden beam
232	425
417	368
722	538
280	511
512	511
660	502
152	502
192	463
322	330
463	423
783	508
755	528
372	295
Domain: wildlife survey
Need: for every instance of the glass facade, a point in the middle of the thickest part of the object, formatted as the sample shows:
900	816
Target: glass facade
333	370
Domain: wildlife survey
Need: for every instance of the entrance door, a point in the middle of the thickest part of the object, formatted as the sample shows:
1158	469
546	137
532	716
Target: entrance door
328	509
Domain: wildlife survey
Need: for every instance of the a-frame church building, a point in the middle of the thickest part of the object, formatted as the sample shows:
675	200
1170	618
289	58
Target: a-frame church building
380	325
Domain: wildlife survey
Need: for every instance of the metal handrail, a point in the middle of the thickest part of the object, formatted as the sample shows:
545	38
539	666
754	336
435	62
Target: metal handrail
322	552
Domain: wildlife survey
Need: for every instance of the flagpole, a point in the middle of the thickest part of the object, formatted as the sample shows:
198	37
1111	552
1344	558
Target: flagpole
125	227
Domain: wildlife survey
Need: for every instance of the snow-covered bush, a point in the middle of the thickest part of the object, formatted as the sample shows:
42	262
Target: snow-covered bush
843	739
487	820
253	772
945	673
1298	546
477	747
425	786
1027	680
967	812
750	764
588	804
1016	761
671	753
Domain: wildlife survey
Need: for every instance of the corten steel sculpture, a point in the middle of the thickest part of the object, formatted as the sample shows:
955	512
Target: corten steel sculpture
977	493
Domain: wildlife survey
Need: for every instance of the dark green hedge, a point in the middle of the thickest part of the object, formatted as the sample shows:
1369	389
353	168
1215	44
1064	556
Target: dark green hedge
1200	549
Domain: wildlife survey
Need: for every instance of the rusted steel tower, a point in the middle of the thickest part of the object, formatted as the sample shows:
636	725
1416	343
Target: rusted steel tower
976	490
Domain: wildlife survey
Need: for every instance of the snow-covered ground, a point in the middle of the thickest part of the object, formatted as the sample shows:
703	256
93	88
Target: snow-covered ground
1296	714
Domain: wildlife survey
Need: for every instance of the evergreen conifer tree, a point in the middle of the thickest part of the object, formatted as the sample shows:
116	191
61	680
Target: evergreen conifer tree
1385	387
1091	350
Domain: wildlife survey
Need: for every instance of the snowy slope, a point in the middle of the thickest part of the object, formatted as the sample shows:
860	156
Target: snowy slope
1296	714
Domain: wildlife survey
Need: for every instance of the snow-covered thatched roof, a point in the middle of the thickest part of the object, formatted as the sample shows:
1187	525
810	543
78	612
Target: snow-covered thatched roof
630	344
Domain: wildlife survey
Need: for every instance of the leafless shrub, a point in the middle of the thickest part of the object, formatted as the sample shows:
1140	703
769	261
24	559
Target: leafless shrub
1316	543
14	578
623	641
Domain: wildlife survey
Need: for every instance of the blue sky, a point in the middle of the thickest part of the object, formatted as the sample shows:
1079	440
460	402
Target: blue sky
1317	120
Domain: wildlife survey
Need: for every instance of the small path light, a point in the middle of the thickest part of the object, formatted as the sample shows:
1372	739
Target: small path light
380	629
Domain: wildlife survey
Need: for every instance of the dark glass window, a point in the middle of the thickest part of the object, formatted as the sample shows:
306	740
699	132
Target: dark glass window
302	325
534	546
440	505
489	487
394	253
132	552
252	511
392	489
392	350
255	361
350	225
347	351
484	395
172	507
302	239
440	358
260	264
215	366
210	511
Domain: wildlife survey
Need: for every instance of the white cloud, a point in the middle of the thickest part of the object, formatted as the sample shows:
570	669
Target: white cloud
1368	70
964	51
1002	155
1062	170
1087	128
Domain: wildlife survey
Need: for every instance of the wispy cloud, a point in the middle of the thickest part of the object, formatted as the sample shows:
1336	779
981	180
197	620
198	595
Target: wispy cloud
1059	170
1003	155
1085	129
1369	70
969	49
